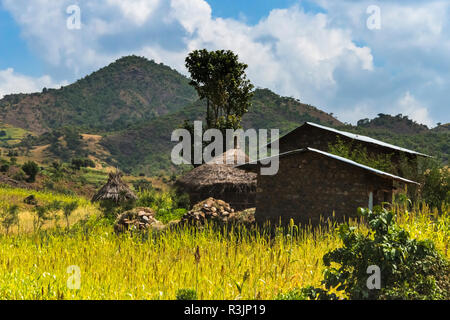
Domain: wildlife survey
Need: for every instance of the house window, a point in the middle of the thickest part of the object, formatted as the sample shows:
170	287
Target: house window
371	200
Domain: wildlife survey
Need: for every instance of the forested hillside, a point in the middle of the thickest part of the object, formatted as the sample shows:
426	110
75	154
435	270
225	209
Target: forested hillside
147	147
124	114
404	132
129	91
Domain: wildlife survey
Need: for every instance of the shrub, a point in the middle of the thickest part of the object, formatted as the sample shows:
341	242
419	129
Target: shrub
358	153
182	200
10	217
142	184
186	294
306	293
436	184
13	153
166	204
294	294
19	176
4	167
78	163
409	268
68	209
31	169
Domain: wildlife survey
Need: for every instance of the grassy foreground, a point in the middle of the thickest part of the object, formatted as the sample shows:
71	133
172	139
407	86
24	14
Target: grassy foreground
232	265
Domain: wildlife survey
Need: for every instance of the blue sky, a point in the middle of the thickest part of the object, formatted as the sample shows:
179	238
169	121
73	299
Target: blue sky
322	52
15	52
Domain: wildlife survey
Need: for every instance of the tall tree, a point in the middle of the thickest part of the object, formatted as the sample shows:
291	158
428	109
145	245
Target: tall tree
220	78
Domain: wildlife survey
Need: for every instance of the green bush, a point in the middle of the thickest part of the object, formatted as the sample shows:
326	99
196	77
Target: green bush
409	268
31	169
186	294
166	204
294	294
78	163
19	176
142	184
182	200
358	153
435	190
307	293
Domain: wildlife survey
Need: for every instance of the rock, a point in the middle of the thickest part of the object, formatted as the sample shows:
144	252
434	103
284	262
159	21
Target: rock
31	199
217	211
137	219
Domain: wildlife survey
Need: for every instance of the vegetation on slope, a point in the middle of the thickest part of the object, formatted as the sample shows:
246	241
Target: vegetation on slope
128	91
147	147
408	134
136	103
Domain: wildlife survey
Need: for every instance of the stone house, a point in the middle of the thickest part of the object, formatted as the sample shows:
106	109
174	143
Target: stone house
320	137
313	184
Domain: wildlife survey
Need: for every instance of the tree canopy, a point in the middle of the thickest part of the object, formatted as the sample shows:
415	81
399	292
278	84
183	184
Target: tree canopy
220	78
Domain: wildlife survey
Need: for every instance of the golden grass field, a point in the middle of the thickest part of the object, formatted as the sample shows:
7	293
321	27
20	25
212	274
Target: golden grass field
232	265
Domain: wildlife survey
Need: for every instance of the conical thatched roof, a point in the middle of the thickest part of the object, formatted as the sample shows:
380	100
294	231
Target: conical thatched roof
218	178
231	157
115	189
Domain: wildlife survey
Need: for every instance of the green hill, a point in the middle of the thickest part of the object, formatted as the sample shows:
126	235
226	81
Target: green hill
399	124
135	104
130	90
147	147
404	132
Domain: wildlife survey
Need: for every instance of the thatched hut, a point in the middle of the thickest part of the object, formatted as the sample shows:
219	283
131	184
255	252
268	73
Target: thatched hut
220	180
115	190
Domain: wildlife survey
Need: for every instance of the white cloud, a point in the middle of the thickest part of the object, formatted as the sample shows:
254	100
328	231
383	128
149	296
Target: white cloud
12	82
192	14
361	111
299	59
409	105
137	11
330	59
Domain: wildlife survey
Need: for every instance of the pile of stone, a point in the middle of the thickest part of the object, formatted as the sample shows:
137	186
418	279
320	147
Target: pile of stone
137	219
31	200
217	211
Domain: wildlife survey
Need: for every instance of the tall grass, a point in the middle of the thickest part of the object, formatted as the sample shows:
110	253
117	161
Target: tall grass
232	264
27	216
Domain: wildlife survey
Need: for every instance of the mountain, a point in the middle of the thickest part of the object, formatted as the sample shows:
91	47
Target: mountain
442	128
124	114
404	132
146	148
128	91
398	124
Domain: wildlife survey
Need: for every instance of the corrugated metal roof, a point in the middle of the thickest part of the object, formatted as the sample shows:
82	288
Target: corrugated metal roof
363	139
351	162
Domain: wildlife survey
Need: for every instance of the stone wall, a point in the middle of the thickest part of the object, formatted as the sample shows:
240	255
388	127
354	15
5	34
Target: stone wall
309	185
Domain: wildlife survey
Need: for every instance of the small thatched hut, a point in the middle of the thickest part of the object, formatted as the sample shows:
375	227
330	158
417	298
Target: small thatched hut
115	190
221	181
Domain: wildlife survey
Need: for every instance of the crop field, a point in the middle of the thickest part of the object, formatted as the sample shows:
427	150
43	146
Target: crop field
11	134
230	264
27	217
